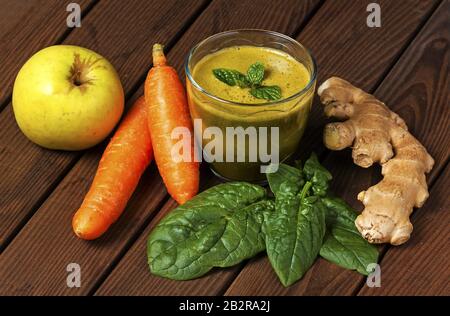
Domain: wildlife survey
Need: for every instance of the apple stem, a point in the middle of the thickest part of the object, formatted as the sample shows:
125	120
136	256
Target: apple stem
80	71
76	78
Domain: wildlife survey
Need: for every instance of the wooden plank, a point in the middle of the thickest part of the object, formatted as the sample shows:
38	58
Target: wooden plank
419	70
348	49
220	16
20	40
134	278
342	14
421	266
121	31
35	262
50	229
422	70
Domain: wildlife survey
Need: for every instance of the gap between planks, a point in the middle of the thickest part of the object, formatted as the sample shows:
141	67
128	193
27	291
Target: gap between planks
384	251
105	275
386	247
66	170
155	213
296	33
388	69
58	41
408	43
134	88
179	58
126	247
325	154
163	201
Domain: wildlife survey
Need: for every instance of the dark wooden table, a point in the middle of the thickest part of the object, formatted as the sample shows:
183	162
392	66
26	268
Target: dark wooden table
405	63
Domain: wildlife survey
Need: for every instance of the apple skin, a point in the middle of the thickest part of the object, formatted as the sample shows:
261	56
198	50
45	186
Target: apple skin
67	97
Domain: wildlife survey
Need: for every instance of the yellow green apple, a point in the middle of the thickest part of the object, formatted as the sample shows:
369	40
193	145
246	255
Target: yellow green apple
67	97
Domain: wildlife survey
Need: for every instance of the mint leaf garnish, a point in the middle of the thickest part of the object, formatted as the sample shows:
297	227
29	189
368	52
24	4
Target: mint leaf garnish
231	77
270	93
253	80
255	73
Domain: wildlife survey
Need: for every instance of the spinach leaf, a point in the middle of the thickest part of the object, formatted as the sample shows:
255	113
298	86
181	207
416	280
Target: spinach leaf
283	174
218	228
317	174
343	244
294	232
339	212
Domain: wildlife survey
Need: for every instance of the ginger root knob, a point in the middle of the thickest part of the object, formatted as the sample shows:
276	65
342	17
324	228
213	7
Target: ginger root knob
378	135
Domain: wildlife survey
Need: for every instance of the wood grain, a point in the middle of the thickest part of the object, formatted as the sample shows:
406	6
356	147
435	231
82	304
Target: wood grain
123	32
133	277
49	228
417	89
118	278
421	266
220	15
346	47
35	262
428	86
236	14
25	28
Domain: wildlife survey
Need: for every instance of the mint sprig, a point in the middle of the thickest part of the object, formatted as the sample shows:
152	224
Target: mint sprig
255	73
266	92
231	77
253	80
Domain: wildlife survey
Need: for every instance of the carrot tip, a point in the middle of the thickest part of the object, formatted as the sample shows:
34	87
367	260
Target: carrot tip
158	47
158	55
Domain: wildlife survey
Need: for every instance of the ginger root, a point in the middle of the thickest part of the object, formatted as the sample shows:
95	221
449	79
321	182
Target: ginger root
378	135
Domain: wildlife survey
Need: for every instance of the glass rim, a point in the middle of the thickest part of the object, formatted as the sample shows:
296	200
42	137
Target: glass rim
286	37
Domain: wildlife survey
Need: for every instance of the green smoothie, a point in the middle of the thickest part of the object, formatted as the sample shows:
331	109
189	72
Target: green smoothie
281	70
239	108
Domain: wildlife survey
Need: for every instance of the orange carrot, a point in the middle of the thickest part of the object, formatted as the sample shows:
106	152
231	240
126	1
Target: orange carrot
168	109
128	154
